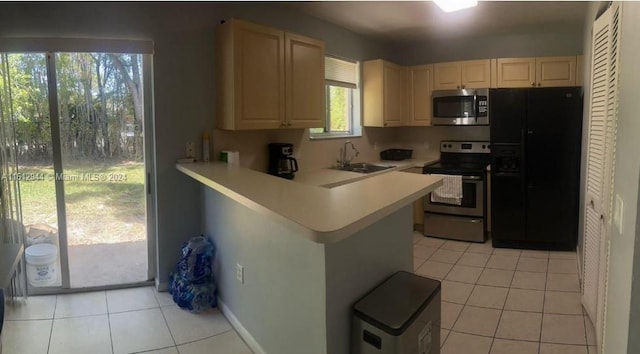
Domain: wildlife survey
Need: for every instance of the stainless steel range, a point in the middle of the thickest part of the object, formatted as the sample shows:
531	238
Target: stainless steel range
458	209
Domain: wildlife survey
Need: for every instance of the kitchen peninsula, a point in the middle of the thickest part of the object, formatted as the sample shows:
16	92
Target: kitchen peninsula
292	258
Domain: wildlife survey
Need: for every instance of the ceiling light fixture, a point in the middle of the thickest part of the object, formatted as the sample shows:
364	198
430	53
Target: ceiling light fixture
455	5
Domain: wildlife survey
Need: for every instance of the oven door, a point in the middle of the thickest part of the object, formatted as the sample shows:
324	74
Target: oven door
472	200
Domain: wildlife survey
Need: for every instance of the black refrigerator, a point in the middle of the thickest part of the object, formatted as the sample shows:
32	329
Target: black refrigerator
535	167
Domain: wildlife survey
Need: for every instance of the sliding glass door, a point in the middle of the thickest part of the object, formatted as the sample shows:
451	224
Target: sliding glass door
80	127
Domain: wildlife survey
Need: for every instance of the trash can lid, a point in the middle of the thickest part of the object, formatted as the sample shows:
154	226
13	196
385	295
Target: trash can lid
397	302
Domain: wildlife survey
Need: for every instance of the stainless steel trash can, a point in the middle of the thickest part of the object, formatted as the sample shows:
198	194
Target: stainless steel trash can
400	316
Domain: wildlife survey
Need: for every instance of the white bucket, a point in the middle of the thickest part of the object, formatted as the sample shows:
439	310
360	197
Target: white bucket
41	264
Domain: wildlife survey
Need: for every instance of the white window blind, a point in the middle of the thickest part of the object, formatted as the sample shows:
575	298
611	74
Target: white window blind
338	72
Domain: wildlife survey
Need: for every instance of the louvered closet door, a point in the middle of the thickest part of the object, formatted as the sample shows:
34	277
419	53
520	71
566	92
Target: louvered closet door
600	164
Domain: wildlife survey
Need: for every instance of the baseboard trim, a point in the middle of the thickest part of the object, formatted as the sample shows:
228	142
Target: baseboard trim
235	323
162	286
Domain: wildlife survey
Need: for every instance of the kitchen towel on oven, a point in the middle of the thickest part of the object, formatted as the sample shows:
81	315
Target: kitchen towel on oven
450	192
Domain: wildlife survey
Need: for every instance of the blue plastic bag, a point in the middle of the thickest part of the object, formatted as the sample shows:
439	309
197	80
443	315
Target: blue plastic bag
192	285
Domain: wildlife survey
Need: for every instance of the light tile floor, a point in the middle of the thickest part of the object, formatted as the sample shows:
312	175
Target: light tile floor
494	301
505	301
137	320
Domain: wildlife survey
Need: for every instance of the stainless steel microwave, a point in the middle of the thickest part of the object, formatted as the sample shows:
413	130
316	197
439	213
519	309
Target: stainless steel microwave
461	107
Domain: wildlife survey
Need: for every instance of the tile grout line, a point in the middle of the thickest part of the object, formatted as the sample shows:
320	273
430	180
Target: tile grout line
113	350
168	328
467	300
493	340
544	300
53	317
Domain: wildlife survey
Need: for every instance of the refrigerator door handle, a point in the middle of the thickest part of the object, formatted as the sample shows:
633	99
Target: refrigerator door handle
523	164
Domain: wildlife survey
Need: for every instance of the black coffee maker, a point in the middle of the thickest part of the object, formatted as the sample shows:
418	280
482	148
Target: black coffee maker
281	163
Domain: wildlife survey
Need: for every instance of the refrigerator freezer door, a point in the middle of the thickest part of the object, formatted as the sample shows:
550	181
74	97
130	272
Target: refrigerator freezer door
552	155
509	107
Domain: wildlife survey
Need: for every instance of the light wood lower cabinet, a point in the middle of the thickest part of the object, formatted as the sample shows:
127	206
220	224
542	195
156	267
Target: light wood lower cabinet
418	205
268	78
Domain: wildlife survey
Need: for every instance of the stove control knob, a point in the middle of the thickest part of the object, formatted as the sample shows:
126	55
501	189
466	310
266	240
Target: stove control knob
484	146
444	145
449	146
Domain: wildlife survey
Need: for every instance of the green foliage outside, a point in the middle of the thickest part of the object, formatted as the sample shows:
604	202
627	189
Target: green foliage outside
338	110
104	202
100	114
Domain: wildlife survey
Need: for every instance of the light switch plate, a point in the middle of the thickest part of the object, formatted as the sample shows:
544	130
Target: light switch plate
618	210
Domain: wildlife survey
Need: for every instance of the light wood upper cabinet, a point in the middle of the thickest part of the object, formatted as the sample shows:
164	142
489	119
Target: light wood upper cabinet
516	72
462	74
536	72
384	93
268	79
475	74
556	71
419	88
446	76
305	88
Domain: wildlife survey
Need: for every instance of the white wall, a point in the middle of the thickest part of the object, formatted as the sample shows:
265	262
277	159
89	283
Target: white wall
358	264
627	171
565	41
282	300
297	295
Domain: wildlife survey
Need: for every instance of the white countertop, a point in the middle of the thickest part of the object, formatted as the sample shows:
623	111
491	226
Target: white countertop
325	215
329	178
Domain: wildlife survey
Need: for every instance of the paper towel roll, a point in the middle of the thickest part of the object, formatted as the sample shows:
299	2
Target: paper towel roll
232	157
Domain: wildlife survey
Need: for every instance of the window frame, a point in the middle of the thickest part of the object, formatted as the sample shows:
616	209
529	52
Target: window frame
355	104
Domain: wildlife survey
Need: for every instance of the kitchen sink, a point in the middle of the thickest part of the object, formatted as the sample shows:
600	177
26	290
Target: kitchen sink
363	167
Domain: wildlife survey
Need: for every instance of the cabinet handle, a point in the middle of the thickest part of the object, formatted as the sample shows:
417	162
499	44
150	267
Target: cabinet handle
462	86
458	87
289	124
533	84
282	125
385	124
538	84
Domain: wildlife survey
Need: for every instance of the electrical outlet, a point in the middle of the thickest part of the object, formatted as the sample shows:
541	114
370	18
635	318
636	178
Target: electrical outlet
618	209
240	273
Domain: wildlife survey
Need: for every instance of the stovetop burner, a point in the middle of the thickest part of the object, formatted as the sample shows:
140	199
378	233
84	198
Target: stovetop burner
461	158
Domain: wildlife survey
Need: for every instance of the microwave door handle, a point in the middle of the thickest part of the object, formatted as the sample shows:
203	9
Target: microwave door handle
476	107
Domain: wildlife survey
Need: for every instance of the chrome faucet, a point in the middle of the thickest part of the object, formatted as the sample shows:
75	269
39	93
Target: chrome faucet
342	162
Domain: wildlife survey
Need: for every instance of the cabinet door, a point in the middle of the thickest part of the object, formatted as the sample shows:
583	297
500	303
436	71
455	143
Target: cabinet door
446	76
516	72
419	85
556	71
394	94
305	88
475	74
259	76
